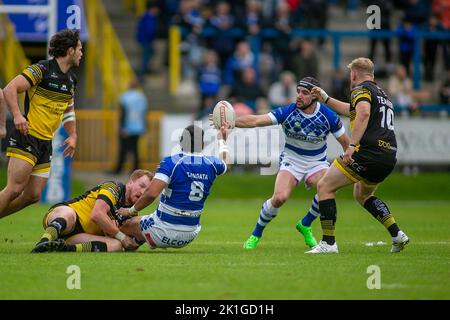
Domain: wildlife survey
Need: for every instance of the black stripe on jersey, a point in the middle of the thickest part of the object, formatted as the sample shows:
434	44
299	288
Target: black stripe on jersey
52	95
108	201
28	79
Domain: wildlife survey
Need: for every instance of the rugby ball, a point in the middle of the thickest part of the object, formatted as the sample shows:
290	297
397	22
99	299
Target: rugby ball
223	111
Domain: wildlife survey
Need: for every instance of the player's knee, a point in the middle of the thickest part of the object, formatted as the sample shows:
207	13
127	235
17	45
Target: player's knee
114	245
32	197
14	191
279	199
322	187
361	196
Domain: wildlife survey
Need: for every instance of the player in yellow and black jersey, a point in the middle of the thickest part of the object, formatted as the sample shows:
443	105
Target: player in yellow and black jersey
88	222
368	160
49	88
2	115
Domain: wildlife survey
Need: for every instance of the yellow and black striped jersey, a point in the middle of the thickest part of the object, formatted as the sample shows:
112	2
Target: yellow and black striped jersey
379	137
50	94
113	193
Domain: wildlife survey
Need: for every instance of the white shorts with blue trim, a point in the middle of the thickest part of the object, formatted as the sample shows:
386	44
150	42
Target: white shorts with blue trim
301	167
161	234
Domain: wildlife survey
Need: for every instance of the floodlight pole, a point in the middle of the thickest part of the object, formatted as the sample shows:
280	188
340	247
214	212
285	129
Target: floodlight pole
51	10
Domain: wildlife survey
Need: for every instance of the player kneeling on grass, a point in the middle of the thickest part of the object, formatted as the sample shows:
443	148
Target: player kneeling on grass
89	222
185	180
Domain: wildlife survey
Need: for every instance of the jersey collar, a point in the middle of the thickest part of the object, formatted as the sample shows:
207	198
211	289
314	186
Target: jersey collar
307	115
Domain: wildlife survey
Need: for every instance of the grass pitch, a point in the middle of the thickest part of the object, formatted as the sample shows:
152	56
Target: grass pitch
214	266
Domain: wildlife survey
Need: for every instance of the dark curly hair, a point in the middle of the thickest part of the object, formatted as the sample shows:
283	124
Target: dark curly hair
62	41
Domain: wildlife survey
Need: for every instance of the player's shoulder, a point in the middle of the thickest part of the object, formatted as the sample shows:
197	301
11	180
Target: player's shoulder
327	111
114	187
43	65
365	86
212	159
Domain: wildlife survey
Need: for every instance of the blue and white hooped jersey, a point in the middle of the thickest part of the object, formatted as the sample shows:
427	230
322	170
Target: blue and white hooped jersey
189	177
306	134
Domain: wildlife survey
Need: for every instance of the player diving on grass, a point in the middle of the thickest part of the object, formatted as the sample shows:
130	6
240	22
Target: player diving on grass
184	181
306	125
89	223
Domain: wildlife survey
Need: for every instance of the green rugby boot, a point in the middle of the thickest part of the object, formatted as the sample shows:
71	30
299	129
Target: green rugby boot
310	241
251	242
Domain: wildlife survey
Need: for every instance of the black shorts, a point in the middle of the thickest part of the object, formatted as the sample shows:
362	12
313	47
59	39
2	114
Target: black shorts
35	151
366	168
77	229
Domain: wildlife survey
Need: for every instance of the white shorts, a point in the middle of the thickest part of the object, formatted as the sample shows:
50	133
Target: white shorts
160	234
300	167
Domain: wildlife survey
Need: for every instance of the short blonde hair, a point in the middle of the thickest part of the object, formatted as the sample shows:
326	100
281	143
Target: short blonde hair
362	66
139	173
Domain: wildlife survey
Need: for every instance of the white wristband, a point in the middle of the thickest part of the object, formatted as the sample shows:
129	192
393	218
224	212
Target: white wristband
223	148
132	211
120	236
324	95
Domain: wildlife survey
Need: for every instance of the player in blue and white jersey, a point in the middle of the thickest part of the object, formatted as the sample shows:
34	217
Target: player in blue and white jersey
184	181
306	125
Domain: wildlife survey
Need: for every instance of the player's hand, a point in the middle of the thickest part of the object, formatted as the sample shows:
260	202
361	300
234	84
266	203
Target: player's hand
223	131
2	132
124	212
347	156
129	244
320	94
21	124
71	143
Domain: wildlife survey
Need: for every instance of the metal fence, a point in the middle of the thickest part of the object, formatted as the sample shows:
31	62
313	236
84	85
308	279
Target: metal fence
98	140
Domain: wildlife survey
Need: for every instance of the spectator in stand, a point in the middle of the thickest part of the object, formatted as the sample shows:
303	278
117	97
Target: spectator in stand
283	25
431	47
444	92
401	91
249	89
146	34
417	11
284	91
241	59
315	16
223	22
441	8
405	33
340	85
251	22
209	78
386	8
306	63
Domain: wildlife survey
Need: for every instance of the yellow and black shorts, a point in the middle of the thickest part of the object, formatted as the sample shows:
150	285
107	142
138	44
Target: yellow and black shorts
77	229
33	150
365	168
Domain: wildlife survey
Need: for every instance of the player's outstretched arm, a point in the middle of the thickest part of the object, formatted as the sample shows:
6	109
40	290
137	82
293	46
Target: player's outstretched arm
150	194
252	121
17	85
222	136
2	115
101	218
343	108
